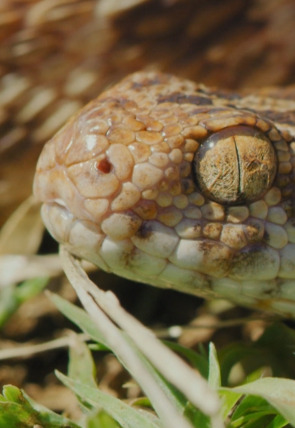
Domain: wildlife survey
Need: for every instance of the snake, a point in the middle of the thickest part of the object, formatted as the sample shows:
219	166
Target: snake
171	183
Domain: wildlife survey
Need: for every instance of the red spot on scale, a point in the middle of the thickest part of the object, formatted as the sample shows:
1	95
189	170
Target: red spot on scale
104	166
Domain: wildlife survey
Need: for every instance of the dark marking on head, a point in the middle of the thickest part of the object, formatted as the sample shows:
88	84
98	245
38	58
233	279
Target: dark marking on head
250	259
144	231
179	98
287	117
206	247
220	93
147	82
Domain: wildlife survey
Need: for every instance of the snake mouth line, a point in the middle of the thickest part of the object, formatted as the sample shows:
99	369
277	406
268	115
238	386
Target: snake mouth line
59	203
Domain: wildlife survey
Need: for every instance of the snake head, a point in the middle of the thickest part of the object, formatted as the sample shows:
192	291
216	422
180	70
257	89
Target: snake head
163	181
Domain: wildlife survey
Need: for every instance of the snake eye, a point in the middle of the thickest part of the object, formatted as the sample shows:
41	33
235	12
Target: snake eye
235	165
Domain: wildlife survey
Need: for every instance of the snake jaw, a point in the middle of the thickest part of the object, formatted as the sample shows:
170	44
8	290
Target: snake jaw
122	187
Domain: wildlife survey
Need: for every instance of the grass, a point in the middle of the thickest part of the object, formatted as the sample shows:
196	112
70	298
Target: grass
256	402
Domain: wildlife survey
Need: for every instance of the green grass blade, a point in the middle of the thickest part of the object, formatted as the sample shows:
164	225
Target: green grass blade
124	414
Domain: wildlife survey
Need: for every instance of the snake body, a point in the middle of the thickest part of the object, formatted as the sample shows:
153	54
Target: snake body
170	183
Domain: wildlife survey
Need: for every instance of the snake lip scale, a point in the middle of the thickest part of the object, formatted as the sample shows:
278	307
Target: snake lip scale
170	183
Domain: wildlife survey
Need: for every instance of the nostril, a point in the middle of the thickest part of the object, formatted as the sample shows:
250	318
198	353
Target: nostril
104	166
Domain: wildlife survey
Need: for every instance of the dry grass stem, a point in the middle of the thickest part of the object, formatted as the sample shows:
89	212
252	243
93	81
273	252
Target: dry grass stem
105	310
